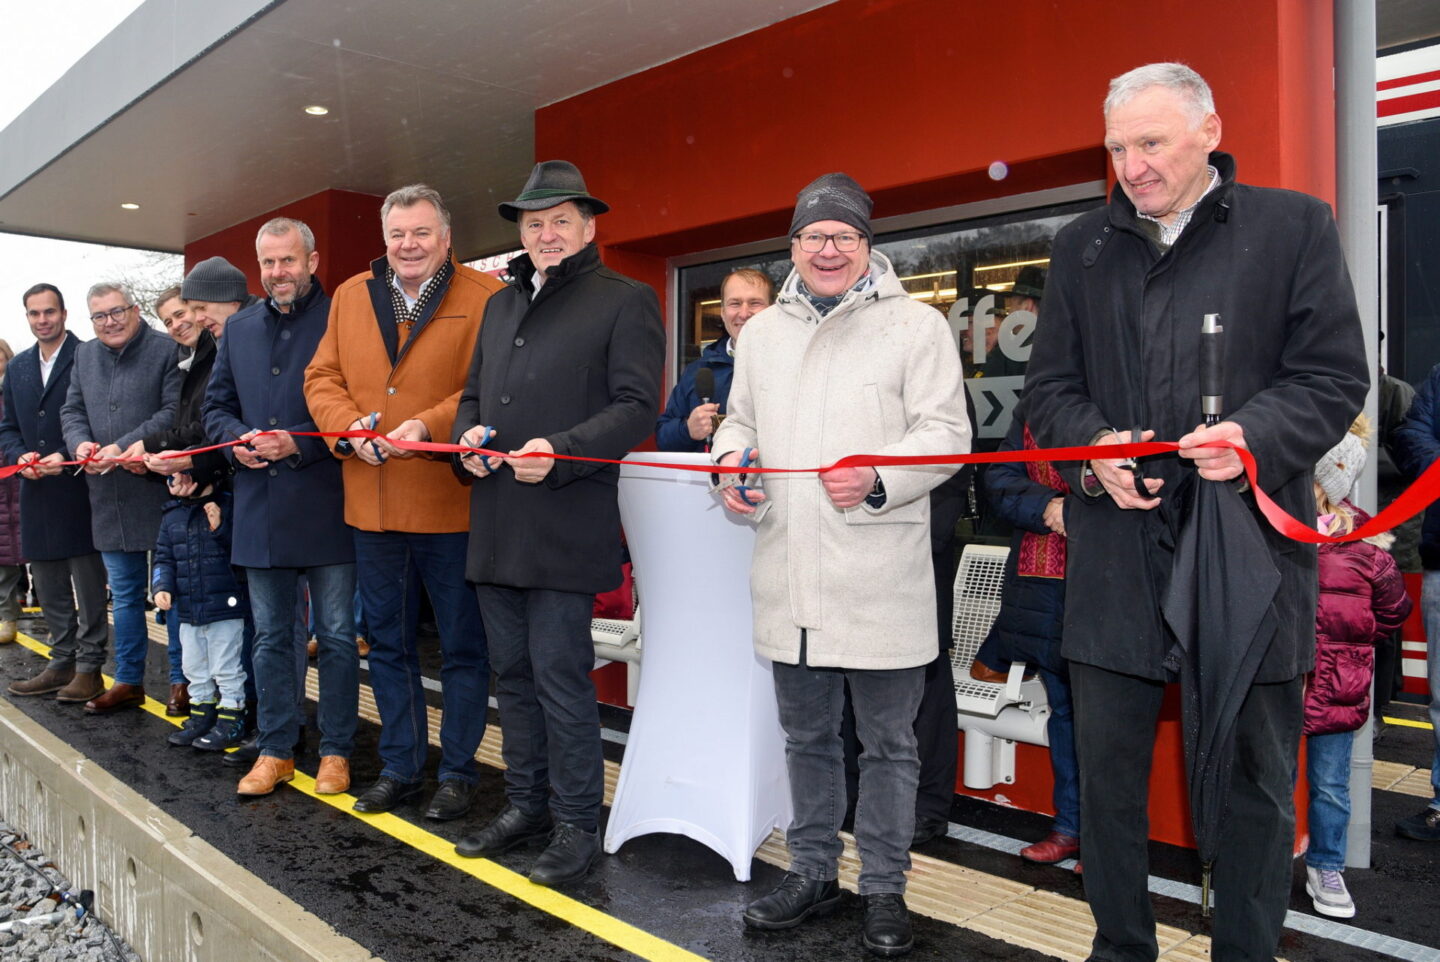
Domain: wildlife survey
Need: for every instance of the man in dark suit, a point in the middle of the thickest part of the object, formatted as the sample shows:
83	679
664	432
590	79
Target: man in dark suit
54	508
568	362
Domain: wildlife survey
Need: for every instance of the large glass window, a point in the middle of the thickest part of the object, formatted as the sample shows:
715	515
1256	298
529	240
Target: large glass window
965	270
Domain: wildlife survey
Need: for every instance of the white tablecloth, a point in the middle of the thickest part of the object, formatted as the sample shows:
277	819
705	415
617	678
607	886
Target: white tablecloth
706	754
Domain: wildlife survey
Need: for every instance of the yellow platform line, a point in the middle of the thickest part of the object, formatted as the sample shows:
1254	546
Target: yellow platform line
1407	723
619	933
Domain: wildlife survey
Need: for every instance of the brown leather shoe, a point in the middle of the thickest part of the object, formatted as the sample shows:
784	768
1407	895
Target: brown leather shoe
82	688
266	774
51	679
312	648
333	778
980	672
179	704
362	646
118	698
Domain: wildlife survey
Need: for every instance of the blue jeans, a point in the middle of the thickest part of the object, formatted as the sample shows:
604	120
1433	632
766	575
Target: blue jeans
278	645
811	703
128	573
540	645
212	662
1060	730
1430	608
173	648
1327	768
390	565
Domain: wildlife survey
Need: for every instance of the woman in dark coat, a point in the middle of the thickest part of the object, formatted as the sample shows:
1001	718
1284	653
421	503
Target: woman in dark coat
12	563
194	472
1032	607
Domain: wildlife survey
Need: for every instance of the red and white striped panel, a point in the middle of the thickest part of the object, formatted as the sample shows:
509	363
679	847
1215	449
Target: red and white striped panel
1408	86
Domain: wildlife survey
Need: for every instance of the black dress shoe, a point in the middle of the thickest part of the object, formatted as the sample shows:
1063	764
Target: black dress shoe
887	924
248	750
510	828
245	754
928	828
452	801
386	794
794	900
568	857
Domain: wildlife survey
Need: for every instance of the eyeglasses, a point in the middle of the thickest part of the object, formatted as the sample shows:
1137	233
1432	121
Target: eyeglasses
115	315
845	241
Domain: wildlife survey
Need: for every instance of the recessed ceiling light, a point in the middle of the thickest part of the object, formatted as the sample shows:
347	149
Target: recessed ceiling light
129	206
315	110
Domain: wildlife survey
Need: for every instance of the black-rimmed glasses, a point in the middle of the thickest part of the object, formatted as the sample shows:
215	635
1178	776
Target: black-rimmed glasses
813	242
115	314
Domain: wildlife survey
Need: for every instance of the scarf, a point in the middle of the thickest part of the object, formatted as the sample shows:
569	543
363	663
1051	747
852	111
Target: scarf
1042	555
404	314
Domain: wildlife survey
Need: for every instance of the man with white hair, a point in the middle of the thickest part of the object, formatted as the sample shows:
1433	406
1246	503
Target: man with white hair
1128	288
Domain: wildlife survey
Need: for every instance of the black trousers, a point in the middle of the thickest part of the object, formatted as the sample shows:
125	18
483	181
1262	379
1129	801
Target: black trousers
1115	717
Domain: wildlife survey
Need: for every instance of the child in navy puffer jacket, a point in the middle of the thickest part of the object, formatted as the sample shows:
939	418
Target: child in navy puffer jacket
1362	599
194	577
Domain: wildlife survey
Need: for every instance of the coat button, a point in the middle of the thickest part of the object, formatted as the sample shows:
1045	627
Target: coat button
284	335
389	390
274	472
504	399
42	412
274	421
40	445
519	342
114	407
274	370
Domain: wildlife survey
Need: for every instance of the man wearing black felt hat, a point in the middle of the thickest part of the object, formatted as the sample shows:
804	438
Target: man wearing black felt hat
568	362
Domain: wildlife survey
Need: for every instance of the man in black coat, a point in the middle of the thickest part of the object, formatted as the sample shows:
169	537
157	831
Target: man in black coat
1116	349
54	507
568	362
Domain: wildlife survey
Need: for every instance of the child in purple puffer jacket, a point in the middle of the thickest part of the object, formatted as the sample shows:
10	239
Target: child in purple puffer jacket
1362	599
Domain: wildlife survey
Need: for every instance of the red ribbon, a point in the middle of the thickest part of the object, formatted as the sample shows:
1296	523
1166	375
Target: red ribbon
1414	499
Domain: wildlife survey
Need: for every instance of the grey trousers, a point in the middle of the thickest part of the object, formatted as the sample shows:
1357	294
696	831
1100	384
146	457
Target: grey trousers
10	578
811	703
71	593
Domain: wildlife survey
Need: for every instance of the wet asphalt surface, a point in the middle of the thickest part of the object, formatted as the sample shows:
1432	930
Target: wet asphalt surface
402	905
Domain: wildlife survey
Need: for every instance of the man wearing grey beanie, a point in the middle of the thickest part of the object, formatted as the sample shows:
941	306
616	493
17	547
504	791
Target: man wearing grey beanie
215	289
849	364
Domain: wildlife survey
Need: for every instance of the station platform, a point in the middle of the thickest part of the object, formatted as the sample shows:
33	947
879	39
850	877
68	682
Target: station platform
392	885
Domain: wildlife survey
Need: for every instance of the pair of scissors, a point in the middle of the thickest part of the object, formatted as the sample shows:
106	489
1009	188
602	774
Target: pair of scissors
374	420
484	440
747	458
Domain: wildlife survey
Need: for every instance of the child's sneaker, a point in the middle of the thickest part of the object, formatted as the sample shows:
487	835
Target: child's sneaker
229	729
201	720
1328	893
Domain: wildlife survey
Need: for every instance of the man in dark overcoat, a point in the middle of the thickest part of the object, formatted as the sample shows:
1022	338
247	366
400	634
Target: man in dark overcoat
568	362
1116	349
289	511
68	572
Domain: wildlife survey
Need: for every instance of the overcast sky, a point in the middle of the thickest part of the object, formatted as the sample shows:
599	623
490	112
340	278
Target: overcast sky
39	43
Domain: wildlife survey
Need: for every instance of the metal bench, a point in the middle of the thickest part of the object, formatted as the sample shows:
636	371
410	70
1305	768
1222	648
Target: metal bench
618	639
992	716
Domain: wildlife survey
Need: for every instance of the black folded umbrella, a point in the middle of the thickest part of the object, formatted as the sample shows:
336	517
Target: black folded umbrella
1220	605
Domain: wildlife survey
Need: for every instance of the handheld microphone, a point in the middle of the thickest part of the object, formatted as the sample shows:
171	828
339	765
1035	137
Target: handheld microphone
705	384
1212	380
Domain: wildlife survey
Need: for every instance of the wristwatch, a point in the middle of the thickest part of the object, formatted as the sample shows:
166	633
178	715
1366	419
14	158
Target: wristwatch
876	497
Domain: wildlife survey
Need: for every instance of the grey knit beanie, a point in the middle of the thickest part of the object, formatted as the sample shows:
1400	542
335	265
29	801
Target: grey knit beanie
215	279
1337	470
833	197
